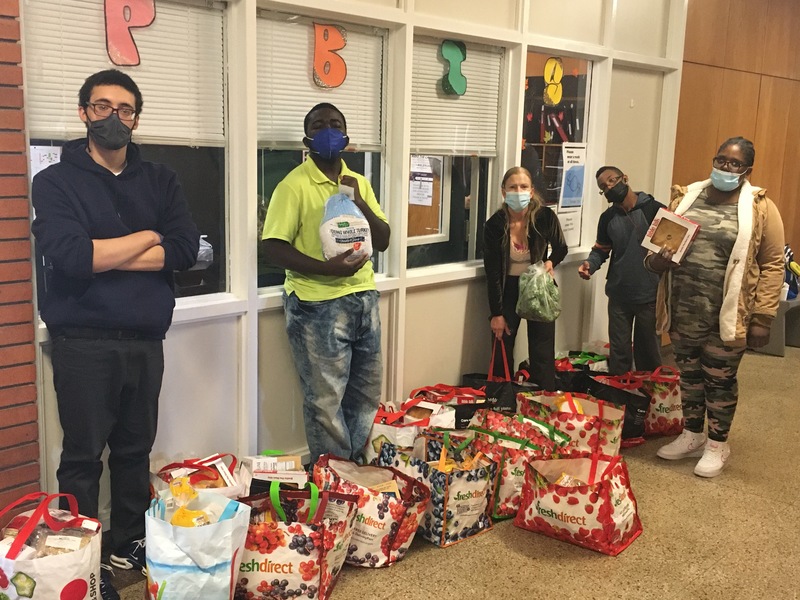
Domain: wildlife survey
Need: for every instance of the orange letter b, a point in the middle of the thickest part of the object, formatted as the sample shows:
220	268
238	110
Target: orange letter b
330	69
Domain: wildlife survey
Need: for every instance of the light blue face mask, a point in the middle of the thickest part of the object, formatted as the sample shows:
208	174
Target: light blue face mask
725	181
518	201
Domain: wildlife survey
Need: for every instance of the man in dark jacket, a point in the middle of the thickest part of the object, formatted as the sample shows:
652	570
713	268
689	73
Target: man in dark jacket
112	229
631	289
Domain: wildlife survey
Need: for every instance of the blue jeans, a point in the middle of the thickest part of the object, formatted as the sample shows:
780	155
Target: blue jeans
336	346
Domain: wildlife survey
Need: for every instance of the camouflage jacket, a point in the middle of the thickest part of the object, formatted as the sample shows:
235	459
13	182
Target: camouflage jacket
754	275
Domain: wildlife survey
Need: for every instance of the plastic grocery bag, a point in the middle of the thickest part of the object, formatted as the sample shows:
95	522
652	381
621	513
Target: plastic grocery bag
194	562
72	570
539	298
344	227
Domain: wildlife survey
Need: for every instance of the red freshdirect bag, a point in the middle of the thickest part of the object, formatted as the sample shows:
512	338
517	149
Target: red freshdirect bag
665	414
587	501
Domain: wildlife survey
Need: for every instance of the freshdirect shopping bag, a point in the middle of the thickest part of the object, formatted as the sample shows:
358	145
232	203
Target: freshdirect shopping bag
390	508
461	483
594	425
401	427
665	413
296	543
622	391
194	562
501	390
587	501
55	554
464	401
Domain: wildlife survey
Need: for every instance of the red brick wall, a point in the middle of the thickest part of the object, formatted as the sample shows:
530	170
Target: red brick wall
19	431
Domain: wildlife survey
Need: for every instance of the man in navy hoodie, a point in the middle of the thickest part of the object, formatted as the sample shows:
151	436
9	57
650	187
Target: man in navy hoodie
112	229
631	289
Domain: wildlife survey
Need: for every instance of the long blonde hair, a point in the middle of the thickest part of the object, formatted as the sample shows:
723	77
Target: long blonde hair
536	200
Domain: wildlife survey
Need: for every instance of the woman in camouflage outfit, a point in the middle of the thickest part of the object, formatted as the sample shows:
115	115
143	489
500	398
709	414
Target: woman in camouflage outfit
721	300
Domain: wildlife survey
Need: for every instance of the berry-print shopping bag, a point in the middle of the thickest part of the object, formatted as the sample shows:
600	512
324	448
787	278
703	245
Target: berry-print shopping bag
460	480
594	425
390	508
296	543
587	501
65	563
665	414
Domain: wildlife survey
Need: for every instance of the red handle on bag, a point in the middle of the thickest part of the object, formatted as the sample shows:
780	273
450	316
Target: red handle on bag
42	512
490	374
665	374
211	474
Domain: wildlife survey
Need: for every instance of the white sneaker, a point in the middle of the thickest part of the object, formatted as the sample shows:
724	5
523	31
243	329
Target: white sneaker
687	444
714	458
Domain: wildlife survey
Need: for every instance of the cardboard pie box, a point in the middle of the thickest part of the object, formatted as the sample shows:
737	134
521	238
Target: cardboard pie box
284	468
672	231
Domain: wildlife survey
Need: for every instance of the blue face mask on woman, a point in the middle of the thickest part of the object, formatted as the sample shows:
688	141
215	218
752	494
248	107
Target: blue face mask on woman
725	181
518	201
328	143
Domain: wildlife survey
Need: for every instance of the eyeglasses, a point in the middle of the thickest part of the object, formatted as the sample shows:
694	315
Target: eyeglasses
610	184
720	162
125	113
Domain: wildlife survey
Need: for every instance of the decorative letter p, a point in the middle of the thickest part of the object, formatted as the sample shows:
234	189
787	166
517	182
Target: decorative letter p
121	17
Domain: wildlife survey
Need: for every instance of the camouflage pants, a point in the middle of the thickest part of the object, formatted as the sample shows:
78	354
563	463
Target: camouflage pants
708	383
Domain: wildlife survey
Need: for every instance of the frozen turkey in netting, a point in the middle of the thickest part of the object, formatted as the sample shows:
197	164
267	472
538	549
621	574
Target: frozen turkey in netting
344	227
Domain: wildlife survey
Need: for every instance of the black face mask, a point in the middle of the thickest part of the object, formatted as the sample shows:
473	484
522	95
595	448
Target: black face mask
617	193
109	133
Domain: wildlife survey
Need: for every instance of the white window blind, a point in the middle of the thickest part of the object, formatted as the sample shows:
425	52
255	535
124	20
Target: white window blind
456	125
286	88
180	73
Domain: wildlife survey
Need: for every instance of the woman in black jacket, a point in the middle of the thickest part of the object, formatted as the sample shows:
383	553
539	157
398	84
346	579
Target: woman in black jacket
522	232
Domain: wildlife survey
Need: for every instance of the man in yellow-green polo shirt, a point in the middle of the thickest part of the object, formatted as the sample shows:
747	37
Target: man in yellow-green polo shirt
331	306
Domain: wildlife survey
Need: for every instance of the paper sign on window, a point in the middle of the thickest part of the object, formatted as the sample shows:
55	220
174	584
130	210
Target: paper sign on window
330	70
121	17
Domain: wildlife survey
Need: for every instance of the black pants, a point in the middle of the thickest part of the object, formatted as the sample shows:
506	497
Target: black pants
541	341
639	319
107	391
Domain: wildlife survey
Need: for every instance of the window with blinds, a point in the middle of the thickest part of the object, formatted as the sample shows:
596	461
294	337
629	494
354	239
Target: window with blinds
449	124
286	87
181	73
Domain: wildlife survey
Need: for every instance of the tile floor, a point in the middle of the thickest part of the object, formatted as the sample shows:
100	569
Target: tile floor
735	537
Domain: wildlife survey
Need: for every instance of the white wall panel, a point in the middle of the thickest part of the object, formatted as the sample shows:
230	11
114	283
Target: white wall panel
641	26
580	20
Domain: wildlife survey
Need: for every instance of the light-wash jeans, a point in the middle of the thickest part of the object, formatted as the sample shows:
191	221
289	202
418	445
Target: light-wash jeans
336	346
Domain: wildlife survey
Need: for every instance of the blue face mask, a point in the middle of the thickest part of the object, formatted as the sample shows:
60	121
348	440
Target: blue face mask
328	143
518	201
725	181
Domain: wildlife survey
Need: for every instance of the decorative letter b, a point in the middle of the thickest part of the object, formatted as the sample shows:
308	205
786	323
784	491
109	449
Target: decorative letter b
121	17
330	70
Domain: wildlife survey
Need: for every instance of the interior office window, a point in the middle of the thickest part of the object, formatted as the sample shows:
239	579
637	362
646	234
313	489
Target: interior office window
181	77
454	142
556	110
349	74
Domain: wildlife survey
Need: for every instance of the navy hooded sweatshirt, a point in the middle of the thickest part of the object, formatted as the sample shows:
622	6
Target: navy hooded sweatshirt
620	234
77	201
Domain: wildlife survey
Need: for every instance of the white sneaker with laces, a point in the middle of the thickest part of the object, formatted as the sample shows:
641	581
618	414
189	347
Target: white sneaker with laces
714	458
687	444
